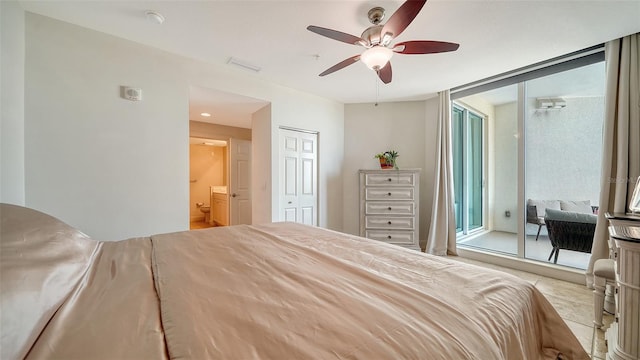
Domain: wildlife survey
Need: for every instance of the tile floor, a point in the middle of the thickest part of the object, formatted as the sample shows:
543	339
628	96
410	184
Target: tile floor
200	224
507	243
573	302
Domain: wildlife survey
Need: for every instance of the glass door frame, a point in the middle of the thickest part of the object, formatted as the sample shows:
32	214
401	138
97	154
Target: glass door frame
465	231
577	59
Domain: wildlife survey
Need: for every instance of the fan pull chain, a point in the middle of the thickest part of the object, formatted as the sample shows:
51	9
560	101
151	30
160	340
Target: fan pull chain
377	90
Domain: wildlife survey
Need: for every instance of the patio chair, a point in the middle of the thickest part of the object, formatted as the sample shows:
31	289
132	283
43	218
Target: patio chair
569	231
533	218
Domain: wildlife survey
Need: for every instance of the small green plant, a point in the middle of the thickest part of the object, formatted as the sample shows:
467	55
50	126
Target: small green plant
388	159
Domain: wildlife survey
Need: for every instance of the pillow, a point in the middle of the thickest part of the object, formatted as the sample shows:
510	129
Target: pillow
541	205
42	260
570	216
577	206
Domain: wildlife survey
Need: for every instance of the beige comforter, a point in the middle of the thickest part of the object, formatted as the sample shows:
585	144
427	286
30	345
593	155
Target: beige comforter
289	291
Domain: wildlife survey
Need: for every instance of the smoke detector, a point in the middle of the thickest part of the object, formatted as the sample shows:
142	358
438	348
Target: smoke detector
154	16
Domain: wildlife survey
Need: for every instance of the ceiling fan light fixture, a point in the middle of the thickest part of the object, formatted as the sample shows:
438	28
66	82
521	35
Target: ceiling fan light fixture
376	57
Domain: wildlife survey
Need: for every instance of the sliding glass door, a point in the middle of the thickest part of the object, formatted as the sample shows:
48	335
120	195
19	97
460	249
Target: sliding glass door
492	187
537	141
563	146
468	168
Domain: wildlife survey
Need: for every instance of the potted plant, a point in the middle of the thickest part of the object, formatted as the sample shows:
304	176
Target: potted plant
388	159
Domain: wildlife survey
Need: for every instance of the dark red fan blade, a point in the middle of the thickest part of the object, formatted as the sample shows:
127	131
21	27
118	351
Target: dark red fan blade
335	35
340	65
405	14
385	73
425	47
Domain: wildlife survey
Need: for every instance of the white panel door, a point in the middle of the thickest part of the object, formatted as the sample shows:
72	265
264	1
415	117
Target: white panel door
239	182
298	180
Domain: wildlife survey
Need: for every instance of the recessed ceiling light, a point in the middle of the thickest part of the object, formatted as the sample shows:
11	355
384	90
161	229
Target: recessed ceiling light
154	16
205	114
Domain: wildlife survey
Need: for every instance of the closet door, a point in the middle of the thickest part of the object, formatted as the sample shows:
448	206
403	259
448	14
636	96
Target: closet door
298	176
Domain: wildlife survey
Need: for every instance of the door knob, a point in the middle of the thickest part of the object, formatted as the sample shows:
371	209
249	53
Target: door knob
233	195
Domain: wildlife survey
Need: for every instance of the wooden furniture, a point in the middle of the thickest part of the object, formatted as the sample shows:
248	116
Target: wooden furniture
623	337
389	206
219	212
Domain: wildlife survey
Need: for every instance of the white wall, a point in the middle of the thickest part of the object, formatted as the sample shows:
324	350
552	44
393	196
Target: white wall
326	117
564	150
261	166
407	127
12	187
559	164
115	168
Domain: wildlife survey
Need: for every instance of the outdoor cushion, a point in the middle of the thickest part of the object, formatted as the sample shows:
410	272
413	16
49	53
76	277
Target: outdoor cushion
541	205
570	216
577	206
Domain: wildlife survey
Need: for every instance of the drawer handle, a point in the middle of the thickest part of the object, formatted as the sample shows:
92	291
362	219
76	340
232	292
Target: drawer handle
389	179
389	237
389	194
389	222
389	207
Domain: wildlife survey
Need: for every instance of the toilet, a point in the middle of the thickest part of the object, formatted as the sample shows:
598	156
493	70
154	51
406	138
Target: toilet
206	210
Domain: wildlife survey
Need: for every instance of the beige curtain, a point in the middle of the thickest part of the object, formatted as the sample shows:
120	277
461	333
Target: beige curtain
442	232
621	137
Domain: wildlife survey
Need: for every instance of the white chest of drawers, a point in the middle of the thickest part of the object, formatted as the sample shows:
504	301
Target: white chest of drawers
389	206
623	336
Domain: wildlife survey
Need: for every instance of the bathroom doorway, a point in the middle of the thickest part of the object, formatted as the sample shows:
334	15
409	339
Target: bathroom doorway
208	170
216	115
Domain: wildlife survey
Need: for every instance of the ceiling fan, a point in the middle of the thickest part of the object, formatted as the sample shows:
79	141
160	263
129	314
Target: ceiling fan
377	39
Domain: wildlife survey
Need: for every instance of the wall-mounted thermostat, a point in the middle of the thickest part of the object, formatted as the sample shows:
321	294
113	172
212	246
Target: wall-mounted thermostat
133	94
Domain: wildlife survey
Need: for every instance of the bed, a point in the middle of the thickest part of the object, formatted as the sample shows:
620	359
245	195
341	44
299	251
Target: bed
272	291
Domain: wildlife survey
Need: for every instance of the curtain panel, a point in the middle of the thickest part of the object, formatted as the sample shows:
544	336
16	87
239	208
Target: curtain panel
621	138
442	232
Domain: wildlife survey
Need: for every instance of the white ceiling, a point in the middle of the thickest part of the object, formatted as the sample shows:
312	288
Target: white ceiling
225	108
494	37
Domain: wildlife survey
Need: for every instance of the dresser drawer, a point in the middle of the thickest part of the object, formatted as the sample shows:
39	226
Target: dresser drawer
385	222
386	193
392	178
389	207
397	237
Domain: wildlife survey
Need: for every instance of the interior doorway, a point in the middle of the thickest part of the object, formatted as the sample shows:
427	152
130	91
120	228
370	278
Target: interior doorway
208	182
220	127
